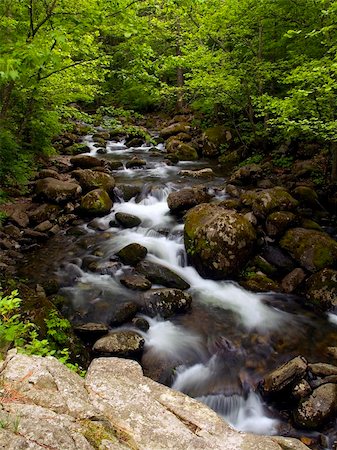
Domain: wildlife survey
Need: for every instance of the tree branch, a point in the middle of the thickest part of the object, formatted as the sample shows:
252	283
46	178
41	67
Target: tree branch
77	63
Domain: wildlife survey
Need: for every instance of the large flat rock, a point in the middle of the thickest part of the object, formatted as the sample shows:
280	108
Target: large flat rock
45	405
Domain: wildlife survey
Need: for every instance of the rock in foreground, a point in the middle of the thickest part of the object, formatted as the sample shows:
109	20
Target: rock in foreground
115	407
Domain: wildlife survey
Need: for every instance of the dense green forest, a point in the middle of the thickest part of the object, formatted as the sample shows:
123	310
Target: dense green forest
265	68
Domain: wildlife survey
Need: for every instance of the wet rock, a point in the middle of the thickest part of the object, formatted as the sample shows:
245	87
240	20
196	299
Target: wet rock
265	201
186	152
123	313
48	173
140	323
57	191
187	198
332	351
318	408
301	390
86	161
321	289
75	149
259	282
218	242
41	213
44	226
12	231
307	196
105	135
262	264
96	202
230	203
165	302
164	276
322	369
132	254
277	258
136	282
134	142
304	168
284	377
128	191
91	331
172	145
135	163
32	234
246	175
89	180
114	165
174	129
104	267
233	191
127	220
291	281
203	173
278	222
314	250
120	343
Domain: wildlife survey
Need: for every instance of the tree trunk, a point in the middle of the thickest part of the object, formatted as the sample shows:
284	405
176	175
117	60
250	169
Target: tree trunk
180	73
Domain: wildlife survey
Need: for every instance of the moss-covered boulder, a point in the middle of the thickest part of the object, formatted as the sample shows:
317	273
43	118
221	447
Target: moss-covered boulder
174	129
313	250
186	152
86	161
321	289
90	179
76	149
306	196
132	254
278	222
259	282
96	202
269	200
213	139
218	241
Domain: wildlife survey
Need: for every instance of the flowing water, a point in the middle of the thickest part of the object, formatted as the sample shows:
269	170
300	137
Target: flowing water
220	350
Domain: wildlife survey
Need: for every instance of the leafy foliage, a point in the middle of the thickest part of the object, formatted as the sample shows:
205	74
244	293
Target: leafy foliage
17	331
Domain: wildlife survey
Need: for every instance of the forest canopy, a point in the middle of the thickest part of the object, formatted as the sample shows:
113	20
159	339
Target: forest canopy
266	68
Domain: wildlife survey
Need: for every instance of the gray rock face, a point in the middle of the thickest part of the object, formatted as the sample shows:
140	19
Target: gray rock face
57	191
285	376
318	408
158	274
187	198
120	343
165	302
218	241
115	407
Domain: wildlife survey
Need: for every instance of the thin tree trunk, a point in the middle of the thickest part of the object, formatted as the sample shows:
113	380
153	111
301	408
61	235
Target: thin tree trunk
180	73
334	162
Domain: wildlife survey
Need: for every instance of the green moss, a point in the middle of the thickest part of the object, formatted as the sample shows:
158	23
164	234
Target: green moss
96	432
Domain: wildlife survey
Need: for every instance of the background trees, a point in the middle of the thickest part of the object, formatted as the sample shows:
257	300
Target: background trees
265	68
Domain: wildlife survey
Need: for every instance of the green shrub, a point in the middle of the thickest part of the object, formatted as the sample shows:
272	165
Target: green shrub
19	332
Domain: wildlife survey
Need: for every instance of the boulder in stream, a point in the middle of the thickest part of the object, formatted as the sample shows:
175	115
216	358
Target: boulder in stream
187	198
218	241
132	254
174	129
136	282
162	275
317	409
57	191
96	202
123	312
127	220
120	343
264	202
284	377
165	302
